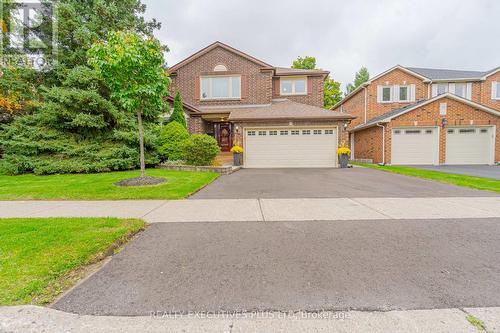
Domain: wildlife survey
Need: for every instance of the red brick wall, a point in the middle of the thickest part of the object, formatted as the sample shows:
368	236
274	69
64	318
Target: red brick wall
398	77
368	144
258	85
315	97
485	92
355	105
196	125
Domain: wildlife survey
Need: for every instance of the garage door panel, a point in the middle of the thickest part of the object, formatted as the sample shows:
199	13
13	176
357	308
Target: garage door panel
414	146
469	145
284	150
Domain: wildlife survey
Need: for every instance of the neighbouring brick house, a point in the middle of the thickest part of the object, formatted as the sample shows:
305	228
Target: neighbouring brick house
275	113
410	115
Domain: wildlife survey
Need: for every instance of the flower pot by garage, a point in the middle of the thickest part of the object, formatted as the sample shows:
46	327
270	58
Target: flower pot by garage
344	160
237	159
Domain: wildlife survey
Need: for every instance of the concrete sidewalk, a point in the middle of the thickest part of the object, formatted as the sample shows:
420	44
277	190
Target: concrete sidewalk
32	318
258	210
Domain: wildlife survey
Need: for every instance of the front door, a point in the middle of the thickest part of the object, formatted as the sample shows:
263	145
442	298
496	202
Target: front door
225	136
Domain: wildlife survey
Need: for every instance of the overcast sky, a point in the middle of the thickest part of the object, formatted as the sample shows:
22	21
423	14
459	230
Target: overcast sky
342	35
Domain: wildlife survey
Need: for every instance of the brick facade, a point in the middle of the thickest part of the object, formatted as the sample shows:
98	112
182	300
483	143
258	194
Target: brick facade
196	125
368	142
314	97
485	92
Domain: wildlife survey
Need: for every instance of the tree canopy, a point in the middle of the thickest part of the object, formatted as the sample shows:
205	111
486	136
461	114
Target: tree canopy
331	90
132	67
360	77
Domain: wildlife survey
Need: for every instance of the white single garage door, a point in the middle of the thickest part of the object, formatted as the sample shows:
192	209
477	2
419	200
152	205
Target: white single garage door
470	145
415	146
290	147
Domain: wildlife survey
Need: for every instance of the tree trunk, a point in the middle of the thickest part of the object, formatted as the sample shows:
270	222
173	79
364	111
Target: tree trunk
141	143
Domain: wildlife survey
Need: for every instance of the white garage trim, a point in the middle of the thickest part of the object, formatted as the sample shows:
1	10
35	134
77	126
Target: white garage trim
415	145
472	146
329	146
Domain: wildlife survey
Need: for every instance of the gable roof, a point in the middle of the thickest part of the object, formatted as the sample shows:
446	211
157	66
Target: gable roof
447	74
213	46
388	116
493	71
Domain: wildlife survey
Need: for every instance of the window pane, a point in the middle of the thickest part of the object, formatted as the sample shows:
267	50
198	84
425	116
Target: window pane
236	84
205	88
220	87
403	93
286	87
386	94
460	89
300	86
442	88
498	89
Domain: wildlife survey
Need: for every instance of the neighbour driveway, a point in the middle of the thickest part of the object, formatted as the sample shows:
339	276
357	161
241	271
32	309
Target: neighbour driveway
486	171
327	183
289	266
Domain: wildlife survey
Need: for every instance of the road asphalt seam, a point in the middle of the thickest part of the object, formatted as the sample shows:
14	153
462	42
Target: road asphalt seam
371	208
154	209
261	210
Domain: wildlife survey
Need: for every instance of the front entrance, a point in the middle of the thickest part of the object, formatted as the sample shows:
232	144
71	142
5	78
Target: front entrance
224	136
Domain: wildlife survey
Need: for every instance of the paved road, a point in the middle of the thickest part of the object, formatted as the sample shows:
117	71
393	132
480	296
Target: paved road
486	171
238	266
326	183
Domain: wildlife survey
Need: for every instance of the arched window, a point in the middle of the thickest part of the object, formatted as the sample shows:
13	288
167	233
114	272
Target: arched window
220	68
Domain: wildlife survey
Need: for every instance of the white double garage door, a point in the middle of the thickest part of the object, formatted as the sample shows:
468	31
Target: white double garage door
290	147
464	145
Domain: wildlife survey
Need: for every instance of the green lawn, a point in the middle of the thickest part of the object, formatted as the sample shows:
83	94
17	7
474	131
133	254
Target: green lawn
450	178
100	186
40	258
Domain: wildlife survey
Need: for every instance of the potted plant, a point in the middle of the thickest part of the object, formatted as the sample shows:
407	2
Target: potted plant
237	151
344	153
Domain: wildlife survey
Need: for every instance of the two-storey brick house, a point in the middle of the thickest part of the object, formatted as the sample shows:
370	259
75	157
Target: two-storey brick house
410	115
275	113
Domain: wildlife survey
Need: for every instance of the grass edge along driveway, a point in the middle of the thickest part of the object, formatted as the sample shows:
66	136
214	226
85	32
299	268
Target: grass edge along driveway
100	186
474	182
42	257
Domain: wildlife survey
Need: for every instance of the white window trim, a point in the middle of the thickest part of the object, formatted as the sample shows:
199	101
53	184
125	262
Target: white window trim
382	94
293	79
408	93
495	90
210	88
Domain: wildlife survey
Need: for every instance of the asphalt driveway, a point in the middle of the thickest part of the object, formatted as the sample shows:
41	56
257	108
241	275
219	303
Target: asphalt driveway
486	171
289	266
327	183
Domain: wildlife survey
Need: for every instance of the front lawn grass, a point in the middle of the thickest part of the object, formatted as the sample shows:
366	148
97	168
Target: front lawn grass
449	178
40	257
101	186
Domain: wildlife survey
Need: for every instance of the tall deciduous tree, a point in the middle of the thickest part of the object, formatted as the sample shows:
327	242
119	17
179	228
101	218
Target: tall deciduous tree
332	93
178	113
304	63
132	67
359	78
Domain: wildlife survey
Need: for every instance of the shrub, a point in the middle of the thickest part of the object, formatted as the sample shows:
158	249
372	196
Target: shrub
178	112
172	138
200	149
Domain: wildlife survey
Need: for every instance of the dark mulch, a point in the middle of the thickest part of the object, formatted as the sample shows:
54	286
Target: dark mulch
141	181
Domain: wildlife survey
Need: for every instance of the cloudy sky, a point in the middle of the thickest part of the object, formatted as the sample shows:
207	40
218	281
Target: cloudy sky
343	35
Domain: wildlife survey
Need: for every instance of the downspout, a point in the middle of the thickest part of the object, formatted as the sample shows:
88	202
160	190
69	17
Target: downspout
383	143
366	100
429	89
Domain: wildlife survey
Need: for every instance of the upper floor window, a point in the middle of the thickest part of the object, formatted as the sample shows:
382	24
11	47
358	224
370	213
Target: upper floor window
404	93
293	86
462	89
386	94
220	87
495	90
